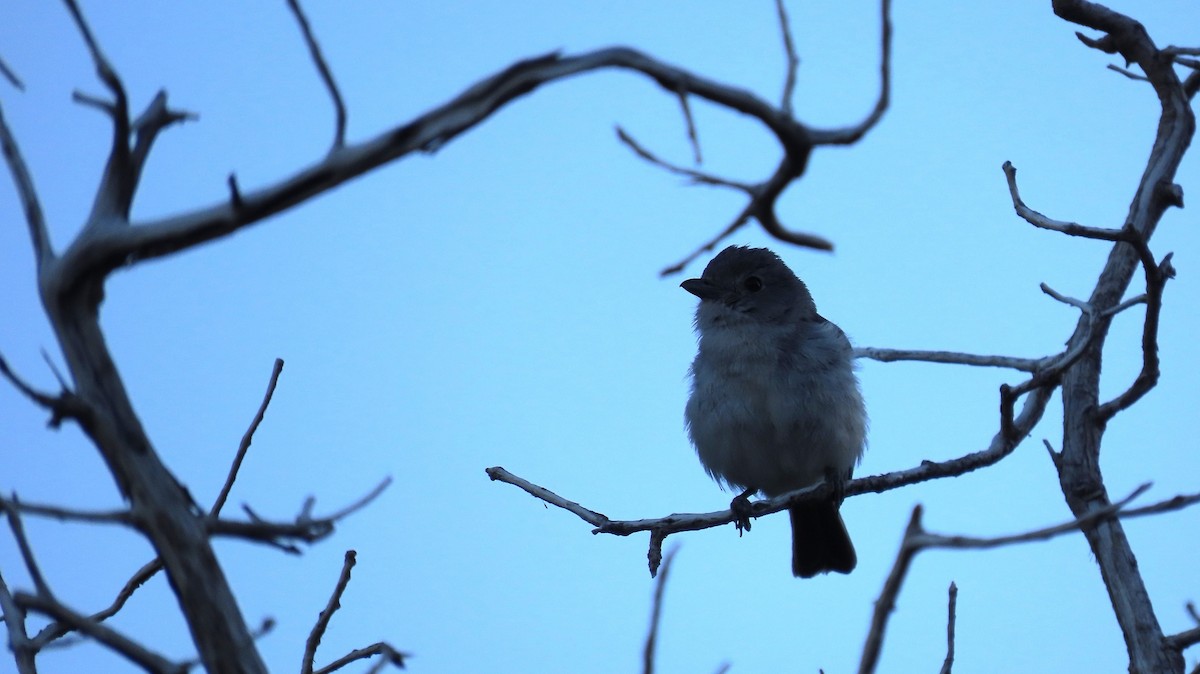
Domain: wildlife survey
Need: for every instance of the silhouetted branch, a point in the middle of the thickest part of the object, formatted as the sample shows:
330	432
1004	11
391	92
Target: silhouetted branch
1038	220
122	516
699	177
659	528
35	219
887	597
305	528
793	61
314	49
115	194
656	614
948	663
11	75
949	357
62	406
135	652
23	650
247	438
1156	280
390	654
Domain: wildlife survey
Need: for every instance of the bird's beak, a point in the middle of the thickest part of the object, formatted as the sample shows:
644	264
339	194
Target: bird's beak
702	288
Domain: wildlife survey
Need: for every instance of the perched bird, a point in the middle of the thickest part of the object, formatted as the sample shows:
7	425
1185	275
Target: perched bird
775	405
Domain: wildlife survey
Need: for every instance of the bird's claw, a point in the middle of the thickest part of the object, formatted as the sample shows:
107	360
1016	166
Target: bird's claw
740	505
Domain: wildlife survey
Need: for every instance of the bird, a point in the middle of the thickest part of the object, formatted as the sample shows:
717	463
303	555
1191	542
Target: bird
775	404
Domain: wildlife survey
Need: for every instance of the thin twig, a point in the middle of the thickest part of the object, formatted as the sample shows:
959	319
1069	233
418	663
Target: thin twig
135	652
697	177
793	61
18	530
1157	276
362	502
711	244
887	597
391	656
247	438
318	630
1001	446
1128	73
855	133
1078	304
24	651
35	219
1038	220
115	194
496	473
314	49
122	516
693	137
1112	510
42	399
656	614
57	630
948	663
11	75
950	357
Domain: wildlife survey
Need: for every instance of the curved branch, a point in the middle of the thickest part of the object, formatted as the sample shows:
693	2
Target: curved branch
314	50
115	194
853	134
1002	445
110	248
35	218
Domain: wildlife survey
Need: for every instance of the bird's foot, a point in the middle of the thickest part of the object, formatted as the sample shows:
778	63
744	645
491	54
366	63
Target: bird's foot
740	505
838	483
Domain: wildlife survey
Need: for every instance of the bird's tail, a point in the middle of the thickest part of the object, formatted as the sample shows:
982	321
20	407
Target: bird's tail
820	542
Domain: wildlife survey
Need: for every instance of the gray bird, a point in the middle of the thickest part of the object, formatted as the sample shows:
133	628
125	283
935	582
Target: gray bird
775	405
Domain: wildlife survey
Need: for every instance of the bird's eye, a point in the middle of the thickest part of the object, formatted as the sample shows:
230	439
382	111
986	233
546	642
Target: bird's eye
753	284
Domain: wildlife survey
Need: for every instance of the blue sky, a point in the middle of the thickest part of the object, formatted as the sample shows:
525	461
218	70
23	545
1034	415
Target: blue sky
499	303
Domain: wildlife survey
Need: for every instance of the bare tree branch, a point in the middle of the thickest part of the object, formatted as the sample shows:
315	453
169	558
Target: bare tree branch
1038	220
693	137
1147	378
58	629
948	663
886	603
853	134
247	438
97	255
917	539
656	614
1184	639
391	655
146	129
11	75
122	516
22	648
793	61
1001	446
318	630
699	177
18	530
1128	73
135	652
1079	462
115	194
63	406
950	357
314	49
35	219
496	473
